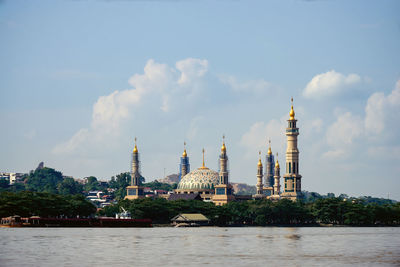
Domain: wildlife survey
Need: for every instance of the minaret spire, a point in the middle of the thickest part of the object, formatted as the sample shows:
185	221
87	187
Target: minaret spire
269	171
184	167
277	186
223	191
260	191
292	178
135	189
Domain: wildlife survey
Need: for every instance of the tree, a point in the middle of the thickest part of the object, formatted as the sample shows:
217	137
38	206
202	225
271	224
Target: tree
92	184
69	187
44	180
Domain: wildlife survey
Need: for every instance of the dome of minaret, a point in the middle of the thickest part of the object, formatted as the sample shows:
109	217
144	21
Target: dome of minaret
291	114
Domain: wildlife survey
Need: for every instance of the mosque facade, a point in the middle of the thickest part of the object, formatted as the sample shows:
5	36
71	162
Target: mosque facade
214	186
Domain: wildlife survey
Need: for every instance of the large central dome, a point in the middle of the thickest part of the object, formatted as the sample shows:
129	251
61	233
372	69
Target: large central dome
202	179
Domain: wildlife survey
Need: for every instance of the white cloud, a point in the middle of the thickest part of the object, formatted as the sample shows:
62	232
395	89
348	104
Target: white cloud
380	109
343	132
191	68
256	138
159	85
329	83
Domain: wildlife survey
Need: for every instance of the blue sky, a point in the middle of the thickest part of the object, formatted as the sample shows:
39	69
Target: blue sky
80	79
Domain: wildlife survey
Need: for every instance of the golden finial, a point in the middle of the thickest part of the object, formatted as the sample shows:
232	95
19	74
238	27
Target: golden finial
135	150
223	148
184	154
277	162
291	114
269	148
259	160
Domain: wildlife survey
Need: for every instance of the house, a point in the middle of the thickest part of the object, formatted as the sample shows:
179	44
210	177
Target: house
190	219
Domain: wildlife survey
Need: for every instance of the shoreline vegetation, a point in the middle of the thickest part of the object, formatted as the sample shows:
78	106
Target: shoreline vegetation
45	192
321	212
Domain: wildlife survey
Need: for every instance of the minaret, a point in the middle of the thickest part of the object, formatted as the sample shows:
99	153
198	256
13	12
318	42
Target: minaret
292	178
259	186
135	190
135	178
277	176
184	167
269	172
223	164
223	191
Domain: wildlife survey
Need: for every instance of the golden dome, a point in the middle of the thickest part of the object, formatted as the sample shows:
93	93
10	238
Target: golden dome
135	150
269	151
277	162
184	154
259	163
291	114
223	147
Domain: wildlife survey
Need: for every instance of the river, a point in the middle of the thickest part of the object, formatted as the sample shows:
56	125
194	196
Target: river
243	246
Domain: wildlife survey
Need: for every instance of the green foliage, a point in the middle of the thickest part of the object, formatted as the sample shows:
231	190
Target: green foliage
119	183
69	187
92	184
44	180
43	204
263	212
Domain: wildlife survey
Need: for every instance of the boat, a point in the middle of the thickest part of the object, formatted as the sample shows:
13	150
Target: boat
35	221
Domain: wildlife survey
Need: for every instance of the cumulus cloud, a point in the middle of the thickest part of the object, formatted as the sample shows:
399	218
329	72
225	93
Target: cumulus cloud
345	130
373	128
329	83
256	138
379	109
191	68
159	85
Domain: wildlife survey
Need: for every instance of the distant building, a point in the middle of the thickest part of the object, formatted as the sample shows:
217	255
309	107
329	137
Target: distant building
12	177
190	219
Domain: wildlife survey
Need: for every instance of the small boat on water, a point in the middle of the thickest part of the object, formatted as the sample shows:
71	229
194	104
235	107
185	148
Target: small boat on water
35	221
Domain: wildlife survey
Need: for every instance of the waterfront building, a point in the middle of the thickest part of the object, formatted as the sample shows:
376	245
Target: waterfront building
135	190
292	178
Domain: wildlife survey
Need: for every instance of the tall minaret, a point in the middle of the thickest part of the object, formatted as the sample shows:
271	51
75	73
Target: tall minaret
259	176
223	164
135	190
292	178
223	191
277	176
269	167
135	175
184	166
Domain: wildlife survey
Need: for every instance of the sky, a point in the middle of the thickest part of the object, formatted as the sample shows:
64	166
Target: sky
79	80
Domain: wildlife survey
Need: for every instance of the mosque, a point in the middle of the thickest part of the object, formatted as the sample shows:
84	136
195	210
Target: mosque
215	187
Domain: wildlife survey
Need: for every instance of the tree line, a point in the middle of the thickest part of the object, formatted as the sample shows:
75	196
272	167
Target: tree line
27	204
264	212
